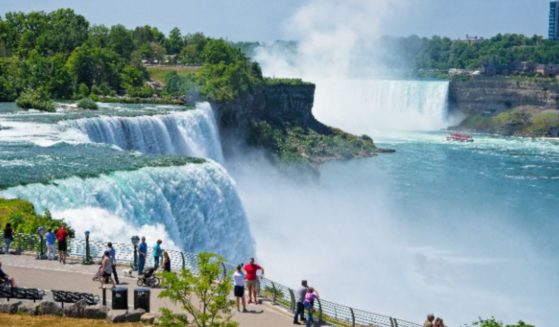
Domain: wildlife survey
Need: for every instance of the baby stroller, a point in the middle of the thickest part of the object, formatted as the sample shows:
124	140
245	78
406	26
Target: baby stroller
148	278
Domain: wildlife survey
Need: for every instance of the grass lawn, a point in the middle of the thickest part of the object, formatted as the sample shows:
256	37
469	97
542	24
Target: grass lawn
7	320
158	72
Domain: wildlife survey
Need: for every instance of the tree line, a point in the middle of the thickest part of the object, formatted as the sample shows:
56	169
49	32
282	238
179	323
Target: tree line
442	53
61	55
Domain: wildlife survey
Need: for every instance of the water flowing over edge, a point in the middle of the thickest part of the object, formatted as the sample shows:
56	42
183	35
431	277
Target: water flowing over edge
196	204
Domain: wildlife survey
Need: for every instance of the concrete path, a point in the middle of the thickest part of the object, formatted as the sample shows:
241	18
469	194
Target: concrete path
73	276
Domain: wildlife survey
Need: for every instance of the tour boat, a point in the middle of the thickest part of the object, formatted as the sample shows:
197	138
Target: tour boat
459	137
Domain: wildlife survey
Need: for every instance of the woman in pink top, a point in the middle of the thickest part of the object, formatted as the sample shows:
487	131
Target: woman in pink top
309	304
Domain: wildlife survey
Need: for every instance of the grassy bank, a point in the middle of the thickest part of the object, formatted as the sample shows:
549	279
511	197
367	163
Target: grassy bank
158	72
24	219
519	122
8	320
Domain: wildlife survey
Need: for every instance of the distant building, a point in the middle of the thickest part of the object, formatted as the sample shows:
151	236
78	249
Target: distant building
553	32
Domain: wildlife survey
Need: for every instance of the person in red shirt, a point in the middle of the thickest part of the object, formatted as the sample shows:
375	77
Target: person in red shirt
252	279
61	236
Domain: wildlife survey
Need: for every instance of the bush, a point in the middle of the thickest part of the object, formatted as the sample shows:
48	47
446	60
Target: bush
21	214
30	99
211	306
87	103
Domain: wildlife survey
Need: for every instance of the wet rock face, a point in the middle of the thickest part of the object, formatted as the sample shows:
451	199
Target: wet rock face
490	96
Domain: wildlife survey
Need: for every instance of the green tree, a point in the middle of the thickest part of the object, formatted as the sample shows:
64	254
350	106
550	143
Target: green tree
204	296
191	54
121	41
175	41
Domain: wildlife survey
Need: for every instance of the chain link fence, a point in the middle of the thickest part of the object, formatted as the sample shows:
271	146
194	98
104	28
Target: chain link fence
326	312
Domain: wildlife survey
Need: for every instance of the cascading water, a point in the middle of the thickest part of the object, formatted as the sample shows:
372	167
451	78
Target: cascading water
192	133
197	204
369	106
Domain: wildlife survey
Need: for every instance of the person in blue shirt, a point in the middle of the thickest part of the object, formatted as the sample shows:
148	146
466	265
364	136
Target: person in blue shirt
51	244
143	252
112	256
157	252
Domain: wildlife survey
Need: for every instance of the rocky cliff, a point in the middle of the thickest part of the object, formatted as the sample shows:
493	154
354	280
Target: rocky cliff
509	106
494	95
279	119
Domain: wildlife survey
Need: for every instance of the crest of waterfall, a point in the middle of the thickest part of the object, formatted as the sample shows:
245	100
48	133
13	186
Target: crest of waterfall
192	133
197	204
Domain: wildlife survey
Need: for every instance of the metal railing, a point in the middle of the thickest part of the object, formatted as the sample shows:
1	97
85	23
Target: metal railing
326	312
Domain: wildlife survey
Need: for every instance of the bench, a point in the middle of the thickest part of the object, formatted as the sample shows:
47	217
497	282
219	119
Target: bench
21	293
73	297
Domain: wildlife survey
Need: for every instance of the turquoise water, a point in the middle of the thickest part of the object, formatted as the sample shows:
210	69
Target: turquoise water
460	229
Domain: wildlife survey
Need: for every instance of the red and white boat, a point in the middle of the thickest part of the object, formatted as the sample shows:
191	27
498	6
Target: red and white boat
458	137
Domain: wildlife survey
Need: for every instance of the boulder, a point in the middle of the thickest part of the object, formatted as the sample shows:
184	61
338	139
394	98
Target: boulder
135	315
148	318
116	316
29	308
49	308
97	311
9	307
75	310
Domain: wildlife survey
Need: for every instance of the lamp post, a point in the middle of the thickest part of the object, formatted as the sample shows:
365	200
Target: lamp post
41	254
87	260
135	240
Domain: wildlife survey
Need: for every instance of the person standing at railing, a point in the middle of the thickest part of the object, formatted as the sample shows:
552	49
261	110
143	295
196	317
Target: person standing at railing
62	236
239	287
112	255
51	244
143	253
252	279
166	264
310	296
8	237
429	321
300	312
157	252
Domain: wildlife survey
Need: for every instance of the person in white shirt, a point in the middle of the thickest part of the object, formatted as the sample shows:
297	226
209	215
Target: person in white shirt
239	287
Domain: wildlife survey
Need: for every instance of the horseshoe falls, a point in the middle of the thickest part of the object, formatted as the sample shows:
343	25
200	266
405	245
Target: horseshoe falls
373	106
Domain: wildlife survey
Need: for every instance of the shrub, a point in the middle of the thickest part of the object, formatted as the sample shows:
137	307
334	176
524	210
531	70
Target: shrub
30	99
211	306
87	103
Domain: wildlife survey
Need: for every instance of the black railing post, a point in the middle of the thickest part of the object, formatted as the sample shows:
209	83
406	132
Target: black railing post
224	270
274	293
293	304
352	317
183	261
319	313
104	297
135	264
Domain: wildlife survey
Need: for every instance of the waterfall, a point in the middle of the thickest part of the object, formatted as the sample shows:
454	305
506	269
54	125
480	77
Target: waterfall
370	106
197	204
192	133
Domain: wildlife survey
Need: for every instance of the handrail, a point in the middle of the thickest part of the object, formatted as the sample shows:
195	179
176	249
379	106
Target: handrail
330	313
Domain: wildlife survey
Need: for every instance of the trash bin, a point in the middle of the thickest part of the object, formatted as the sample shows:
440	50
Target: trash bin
141	298
120	298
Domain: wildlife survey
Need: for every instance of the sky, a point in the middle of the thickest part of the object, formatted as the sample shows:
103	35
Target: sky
268	20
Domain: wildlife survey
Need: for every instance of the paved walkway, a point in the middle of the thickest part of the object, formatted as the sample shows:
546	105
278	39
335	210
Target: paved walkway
73	276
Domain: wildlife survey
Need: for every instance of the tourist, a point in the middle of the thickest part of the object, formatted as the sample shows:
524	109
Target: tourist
439	322
51	244
252	279
112	255
5	278
166	264
143	253
157	251
62	236
300	312
310	296
239	287
429	321
8	237
106	269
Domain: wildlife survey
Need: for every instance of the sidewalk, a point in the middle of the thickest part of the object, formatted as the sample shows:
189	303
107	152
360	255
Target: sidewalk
73	276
